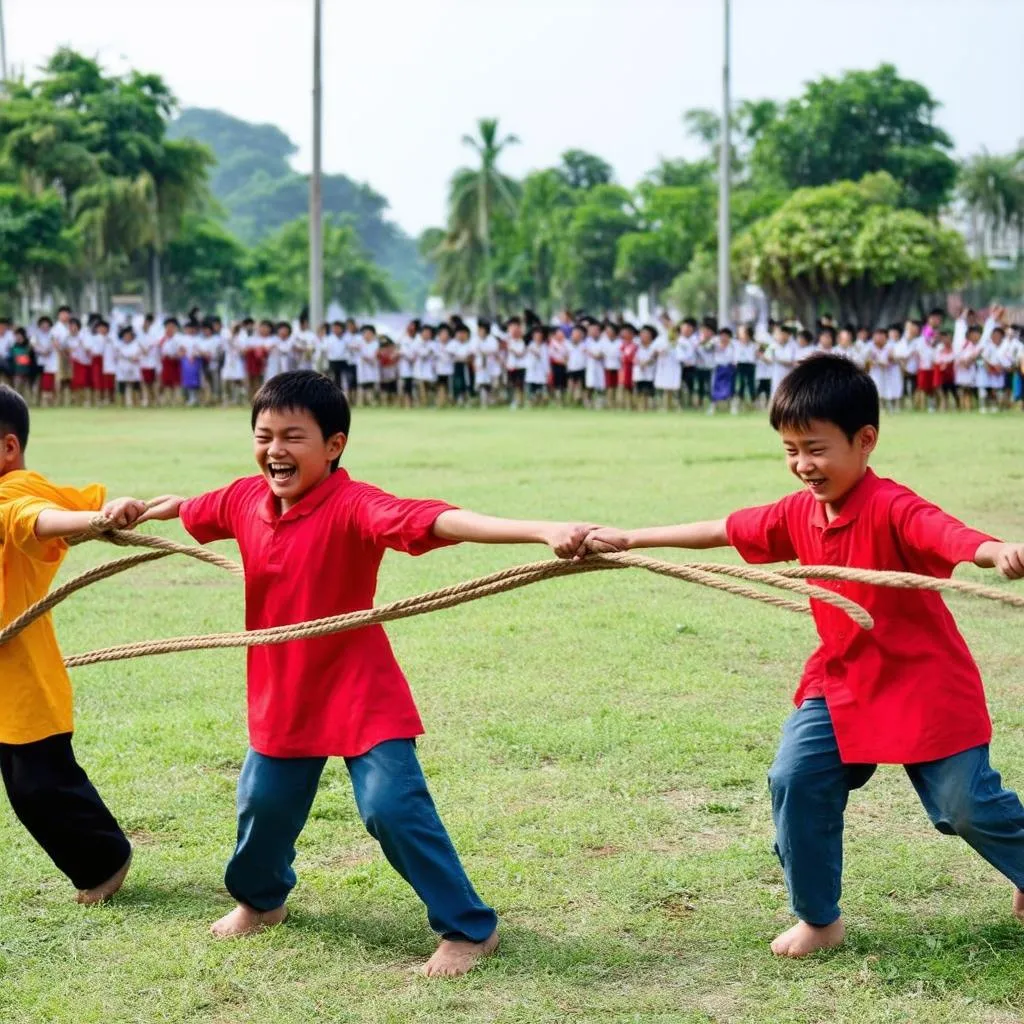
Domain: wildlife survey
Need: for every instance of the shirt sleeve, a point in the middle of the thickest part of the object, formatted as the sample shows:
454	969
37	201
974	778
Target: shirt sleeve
933	542
402	524
761	534
210	517
18	517
18	528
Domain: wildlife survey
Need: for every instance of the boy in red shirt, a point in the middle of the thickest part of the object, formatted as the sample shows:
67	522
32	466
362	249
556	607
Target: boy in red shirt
906	692
312	539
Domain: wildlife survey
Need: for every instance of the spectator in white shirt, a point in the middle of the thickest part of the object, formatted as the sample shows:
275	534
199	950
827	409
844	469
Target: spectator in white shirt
576	363
368	366
644	366
47	350
745	350
127	368
486	362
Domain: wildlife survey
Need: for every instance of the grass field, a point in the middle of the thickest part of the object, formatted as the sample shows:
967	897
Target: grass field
597	746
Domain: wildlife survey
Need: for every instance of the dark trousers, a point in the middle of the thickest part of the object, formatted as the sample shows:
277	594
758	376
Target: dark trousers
963	795
275	795
54	799
745	381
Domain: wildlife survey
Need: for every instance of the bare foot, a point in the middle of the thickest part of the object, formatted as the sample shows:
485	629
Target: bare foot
1018	904
803	939
454	958
245	920
102	892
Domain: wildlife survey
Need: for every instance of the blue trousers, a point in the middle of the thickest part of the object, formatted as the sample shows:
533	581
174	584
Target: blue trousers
275	795
963	795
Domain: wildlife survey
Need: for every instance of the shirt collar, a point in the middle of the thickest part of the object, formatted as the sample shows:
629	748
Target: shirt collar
309	502
855	500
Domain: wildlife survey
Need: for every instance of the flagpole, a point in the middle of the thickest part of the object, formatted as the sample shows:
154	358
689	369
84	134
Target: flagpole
724	170
316	239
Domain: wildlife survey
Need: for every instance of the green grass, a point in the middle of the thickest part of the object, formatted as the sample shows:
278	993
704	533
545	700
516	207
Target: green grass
597	746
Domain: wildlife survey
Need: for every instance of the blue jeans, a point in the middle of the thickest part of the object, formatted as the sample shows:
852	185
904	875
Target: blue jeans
963	795
275	795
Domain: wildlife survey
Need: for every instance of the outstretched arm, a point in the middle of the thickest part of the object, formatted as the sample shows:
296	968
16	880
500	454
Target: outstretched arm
164	507
697	536
51	523
565	539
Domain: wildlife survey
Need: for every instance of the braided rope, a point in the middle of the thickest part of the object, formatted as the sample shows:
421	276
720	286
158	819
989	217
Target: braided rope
702	573
498	582
904	580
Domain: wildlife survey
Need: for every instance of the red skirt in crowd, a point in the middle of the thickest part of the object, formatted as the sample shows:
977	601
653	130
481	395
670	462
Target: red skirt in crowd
170	372
97	373
943	377
81	376
255	363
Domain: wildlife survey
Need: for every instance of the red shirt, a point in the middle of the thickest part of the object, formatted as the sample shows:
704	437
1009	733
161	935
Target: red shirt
336	695
907	690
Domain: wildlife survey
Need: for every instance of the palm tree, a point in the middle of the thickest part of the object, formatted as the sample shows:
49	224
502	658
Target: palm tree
111	220
987	188
475	195
178	185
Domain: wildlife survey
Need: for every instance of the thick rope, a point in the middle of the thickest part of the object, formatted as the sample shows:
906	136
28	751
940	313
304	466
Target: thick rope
448	597
705	574
903	580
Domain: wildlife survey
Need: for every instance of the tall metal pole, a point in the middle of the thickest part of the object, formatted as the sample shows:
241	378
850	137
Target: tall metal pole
724	160
3	45
316	238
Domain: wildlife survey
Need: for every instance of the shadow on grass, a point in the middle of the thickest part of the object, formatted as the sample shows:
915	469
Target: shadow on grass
397	936
523	951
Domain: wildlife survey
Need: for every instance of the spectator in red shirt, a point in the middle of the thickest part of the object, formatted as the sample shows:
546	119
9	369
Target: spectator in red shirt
906	692
312	540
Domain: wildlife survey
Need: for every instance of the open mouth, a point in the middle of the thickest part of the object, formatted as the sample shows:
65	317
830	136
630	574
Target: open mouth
281	472
816	483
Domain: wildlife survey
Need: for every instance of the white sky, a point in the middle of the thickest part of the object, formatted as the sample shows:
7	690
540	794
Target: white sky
405	79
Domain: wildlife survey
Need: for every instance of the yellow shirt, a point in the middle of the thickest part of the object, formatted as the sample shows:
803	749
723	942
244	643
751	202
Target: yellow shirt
35	691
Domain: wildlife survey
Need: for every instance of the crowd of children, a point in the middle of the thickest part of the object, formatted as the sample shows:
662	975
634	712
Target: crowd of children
970	363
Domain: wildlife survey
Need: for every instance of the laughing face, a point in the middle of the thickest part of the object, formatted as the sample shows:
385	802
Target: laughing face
826	461
292	453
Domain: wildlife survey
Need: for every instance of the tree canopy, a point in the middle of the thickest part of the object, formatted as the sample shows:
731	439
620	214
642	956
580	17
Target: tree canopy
863	121
848	250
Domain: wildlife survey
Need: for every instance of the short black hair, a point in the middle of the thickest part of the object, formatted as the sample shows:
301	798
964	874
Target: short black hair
829	388
13	415
308	391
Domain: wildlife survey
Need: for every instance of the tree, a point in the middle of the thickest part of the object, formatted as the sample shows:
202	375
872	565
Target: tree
34	243
584	171
475	195
696	288
843	128
749	120
585	273
100	142
992	188
204	265
675	222
277	279
846	248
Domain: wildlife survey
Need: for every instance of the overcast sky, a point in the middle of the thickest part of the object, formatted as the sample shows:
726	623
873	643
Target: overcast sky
405	79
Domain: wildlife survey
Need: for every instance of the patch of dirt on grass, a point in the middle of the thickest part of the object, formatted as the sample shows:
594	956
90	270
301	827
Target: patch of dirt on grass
142	837
722	1006
688	799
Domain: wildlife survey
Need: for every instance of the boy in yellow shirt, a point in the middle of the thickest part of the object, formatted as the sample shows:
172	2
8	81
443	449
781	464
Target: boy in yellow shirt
49	791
